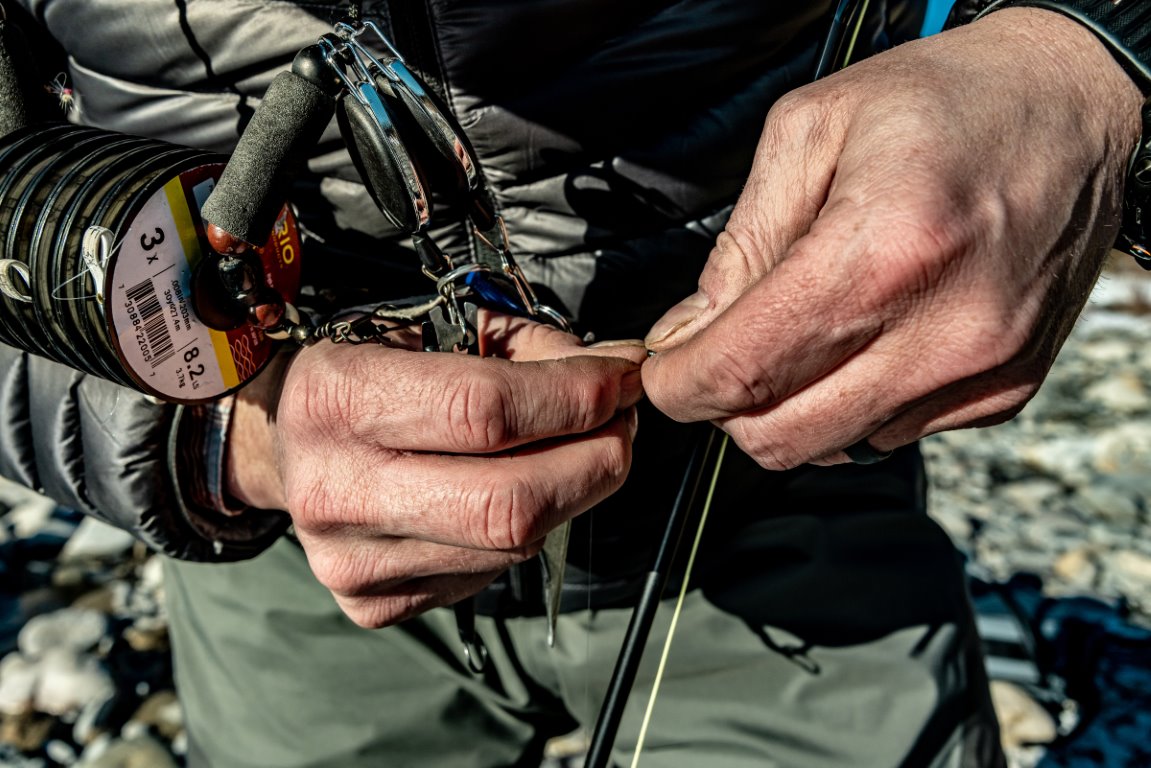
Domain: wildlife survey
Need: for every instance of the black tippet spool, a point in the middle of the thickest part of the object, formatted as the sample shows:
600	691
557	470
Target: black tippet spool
79	288
69	291
28	210
48	272
19	154
107	227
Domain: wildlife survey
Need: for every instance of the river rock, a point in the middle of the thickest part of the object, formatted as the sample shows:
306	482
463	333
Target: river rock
1076	569
60	752
1022	720
18	678
139	752
1108	503
30	517
76	629
1029	497
1124	448
162	712
26	732
95	539
69	681
147	634
1122	393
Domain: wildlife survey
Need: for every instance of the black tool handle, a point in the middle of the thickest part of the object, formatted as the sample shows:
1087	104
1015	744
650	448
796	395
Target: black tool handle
272	152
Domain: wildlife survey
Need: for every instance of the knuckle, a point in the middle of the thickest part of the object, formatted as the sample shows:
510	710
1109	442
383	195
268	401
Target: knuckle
615	462
524	553
478	419
590	400
337	572
796	116
359	614
776	460
738	383
375	613
769	453
505	515
348	573
309	504
1004	404
410	598
741	248
319	400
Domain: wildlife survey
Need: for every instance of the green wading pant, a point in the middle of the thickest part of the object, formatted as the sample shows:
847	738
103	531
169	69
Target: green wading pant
778	660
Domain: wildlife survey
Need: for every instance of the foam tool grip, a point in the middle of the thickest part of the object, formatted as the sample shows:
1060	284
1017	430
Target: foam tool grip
13	107
270	154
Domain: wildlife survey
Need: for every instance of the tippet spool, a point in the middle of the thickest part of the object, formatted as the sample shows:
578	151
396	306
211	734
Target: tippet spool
101	235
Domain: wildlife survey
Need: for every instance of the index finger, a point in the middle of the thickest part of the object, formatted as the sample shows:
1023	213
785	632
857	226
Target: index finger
451	403
521	339
796	324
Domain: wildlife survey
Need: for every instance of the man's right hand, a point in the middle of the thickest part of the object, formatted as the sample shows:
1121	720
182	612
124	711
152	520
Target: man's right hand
413	479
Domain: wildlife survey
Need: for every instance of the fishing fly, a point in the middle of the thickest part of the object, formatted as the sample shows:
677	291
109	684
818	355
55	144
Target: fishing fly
65	95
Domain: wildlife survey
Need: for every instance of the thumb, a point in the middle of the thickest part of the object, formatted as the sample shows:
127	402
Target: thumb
729	271
788	184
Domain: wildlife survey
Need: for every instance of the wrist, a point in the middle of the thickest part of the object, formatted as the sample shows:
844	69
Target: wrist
1123	33
199	469
210	526
252	466
1123	28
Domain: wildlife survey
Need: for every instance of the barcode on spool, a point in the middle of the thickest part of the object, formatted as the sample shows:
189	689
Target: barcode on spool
153	323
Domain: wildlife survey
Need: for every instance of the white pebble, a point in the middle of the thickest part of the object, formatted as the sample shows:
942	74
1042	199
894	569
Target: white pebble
31	516
69	681
18	676
60	752
95	539
77	629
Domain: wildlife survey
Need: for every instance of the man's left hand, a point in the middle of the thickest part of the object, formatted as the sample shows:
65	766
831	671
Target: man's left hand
917	236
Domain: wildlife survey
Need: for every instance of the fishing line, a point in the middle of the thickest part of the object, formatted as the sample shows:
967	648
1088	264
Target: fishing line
679	602
855	33
844	11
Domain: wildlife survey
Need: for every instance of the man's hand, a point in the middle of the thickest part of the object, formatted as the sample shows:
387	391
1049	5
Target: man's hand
917	236
413	479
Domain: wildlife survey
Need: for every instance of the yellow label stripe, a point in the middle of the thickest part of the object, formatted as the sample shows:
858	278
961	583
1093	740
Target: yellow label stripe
186	231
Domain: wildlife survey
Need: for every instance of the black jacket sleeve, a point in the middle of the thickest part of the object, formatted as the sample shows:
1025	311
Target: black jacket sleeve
108	451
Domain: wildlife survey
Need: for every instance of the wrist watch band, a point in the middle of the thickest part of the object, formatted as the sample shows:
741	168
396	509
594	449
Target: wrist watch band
1135	231
1124	26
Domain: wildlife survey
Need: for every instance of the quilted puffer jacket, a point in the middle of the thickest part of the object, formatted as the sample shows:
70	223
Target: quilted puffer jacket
614	135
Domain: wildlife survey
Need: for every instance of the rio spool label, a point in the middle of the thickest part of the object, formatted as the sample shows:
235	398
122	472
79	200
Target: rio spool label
100	242
165	347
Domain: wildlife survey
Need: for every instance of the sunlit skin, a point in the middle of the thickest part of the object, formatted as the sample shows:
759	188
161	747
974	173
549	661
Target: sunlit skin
915	239
413	478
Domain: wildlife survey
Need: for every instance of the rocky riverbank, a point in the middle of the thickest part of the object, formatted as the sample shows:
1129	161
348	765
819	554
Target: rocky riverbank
86	676
1062	491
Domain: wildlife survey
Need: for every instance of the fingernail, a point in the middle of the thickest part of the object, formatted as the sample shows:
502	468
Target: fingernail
674	319
632	421
617	343
630	388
